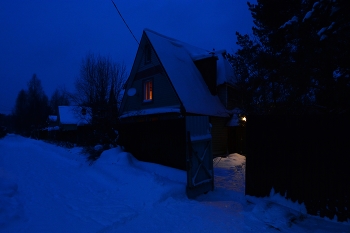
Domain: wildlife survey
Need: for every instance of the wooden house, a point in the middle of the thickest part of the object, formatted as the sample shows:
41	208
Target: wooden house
177	103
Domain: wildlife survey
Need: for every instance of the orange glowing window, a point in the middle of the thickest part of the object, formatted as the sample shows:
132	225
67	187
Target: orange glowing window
148	90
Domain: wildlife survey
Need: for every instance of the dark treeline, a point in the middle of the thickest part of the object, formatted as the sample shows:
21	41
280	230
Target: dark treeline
33	107
297	60
97	88
294	77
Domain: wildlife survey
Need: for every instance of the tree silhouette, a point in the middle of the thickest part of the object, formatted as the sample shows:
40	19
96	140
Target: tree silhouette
296	60
98	87
31	109
60	97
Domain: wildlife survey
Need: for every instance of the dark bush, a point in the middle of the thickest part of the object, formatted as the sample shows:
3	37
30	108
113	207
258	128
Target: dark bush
3	131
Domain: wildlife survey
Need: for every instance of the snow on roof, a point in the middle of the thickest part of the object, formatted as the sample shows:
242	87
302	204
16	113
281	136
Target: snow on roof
151	111
177	59
224	73
235	119
74	115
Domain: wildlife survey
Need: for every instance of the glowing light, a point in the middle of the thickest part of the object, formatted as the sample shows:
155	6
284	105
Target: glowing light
148	90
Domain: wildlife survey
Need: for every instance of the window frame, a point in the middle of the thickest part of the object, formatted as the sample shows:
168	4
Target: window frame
148	91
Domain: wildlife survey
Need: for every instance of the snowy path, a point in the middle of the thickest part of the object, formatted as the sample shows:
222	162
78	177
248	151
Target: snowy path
45	188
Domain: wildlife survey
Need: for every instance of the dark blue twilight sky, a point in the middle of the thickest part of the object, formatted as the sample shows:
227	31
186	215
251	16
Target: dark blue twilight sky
50	38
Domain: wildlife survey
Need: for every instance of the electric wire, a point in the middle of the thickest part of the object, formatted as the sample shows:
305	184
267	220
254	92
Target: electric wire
125	22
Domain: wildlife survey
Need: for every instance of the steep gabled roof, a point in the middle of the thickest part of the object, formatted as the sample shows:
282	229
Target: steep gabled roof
177	59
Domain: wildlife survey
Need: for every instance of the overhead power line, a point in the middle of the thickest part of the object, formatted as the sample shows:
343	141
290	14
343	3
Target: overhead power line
125	22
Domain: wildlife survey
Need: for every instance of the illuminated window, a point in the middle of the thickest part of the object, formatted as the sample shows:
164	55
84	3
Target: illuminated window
148	90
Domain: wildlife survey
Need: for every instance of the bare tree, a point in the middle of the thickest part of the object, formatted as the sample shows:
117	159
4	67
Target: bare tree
98	87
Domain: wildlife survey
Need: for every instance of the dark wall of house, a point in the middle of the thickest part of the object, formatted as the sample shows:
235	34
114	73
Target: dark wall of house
222	94
304	158
219	133
229	96
207	67
237	140
162	141
82	136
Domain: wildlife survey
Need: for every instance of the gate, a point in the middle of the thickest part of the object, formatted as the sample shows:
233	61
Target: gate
199	158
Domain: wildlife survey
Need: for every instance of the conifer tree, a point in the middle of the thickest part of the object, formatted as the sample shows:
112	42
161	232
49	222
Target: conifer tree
31	109
295	62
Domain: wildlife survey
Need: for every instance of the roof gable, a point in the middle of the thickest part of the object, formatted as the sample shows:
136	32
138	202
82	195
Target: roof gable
166	99
177	59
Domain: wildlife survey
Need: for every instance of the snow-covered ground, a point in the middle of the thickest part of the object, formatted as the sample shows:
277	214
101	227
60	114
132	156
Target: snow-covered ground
45	188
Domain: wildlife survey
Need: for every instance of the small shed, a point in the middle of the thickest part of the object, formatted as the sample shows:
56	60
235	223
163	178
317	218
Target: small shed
70	117
73	122
178	101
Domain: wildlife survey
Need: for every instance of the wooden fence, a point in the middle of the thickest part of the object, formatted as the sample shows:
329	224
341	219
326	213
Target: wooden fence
304	158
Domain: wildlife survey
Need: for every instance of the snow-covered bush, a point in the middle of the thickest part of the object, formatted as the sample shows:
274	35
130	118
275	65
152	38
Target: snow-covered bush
94	152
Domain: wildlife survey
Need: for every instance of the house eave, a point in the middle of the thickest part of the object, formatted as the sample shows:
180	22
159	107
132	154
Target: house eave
151	111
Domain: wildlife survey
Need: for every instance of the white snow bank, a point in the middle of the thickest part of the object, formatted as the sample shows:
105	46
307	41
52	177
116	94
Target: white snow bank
230	161
115	158
45	188
281	213
11	208
276	211
230	172
277	198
